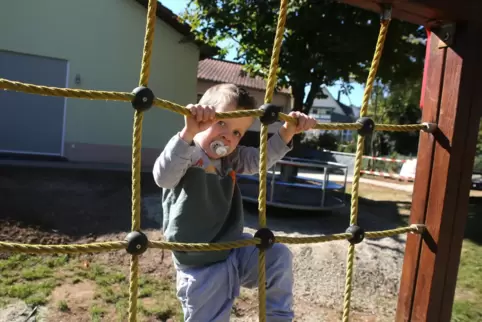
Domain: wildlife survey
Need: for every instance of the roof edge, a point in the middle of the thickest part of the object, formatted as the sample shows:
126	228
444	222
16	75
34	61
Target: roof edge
248	87
170	18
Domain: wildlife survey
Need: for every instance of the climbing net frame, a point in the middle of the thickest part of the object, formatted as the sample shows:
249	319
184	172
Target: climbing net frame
142	98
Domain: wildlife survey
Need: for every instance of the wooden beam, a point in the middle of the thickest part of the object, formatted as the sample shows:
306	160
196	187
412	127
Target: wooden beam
422	181
416	14
422	12
444	169
474	101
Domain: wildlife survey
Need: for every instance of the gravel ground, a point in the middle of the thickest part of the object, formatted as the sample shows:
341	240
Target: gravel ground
320	268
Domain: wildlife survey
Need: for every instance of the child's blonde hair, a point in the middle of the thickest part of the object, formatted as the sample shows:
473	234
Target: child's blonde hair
227	94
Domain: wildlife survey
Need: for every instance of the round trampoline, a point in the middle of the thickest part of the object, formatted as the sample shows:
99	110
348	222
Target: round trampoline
299	192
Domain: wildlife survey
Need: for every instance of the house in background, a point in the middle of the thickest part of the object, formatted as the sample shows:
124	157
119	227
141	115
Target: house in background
215	71
91	44
331	110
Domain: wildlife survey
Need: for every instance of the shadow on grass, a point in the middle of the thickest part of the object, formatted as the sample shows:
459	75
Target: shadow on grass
78	203
473	227
372	216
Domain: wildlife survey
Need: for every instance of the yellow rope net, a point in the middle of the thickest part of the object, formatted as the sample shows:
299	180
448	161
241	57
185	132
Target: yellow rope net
142	98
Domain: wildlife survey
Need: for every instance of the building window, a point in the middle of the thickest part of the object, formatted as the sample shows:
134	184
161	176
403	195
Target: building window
321	111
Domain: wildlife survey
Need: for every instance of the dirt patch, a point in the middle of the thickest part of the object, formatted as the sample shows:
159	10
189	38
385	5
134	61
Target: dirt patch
80	293
23	232
71	302
154	262
388	179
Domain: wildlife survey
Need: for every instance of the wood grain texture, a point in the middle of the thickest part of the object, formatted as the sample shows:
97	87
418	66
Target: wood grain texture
441	191
422	182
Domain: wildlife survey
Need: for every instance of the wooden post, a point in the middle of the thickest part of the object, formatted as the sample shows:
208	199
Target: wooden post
453	100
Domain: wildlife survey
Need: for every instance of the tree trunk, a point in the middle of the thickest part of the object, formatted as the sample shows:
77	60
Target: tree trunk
374	136
310	98
298	92
289	173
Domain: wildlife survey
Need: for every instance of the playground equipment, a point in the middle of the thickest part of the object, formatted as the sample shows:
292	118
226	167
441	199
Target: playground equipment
300	192
451	115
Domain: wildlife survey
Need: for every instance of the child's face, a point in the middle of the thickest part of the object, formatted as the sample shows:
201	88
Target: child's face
229	131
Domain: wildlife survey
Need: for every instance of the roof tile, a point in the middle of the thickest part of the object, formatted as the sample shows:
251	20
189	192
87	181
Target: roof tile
222	71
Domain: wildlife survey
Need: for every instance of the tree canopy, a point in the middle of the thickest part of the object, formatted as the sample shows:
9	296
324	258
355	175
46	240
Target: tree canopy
398	104
324	42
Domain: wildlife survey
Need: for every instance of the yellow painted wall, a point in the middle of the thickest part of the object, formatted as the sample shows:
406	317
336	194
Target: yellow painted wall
102	41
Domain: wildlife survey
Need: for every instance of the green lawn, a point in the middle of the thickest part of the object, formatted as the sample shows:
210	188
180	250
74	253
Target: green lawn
33	278
468	296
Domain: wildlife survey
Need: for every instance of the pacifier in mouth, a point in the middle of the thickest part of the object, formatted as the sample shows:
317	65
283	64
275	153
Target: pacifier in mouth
219	148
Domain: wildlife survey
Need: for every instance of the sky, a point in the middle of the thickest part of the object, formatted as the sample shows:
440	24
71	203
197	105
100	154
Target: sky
356	95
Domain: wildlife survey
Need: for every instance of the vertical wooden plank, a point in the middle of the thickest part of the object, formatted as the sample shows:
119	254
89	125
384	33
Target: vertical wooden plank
433	280
439	203
470	97
430	112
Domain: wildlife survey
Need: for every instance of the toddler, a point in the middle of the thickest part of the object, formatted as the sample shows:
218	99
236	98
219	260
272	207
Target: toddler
202	204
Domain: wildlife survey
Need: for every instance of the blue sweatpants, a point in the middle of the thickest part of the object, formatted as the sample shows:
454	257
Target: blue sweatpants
207	293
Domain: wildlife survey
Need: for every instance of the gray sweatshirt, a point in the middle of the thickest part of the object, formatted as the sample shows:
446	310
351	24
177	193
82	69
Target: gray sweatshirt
200	198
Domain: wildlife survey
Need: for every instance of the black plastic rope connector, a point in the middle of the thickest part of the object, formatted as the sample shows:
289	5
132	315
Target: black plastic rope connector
137	242
271	113
357	234
367	126
266	236
143	98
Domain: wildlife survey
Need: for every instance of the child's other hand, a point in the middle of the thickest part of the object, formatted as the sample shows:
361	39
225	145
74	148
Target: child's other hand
305	123
201	118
